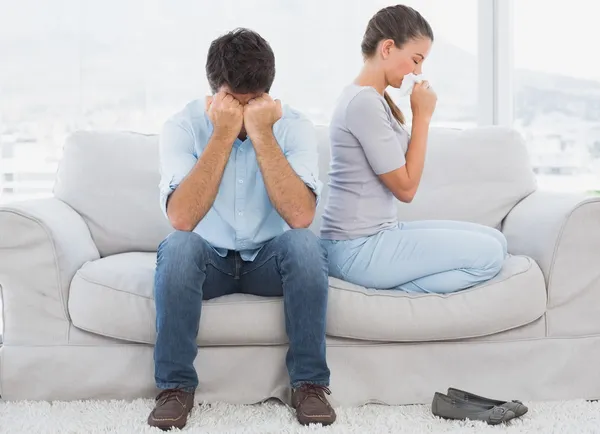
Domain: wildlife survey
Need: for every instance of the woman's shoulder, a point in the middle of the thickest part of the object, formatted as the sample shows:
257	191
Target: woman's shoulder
360	104
358	101
359	97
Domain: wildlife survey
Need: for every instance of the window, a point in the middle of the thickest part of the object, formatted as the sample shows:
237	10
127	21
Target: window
76	64
453	65
557	91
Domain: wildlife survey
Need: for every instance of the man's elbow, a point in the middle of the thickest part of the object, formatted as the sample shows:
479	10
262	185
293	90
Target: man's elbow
300	224
184	227
181	225
180	222
302	221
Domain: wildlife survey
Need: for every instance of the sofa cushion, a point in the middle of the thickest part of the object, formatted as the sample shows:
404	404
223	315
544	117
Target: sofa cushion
113	297
515	297
111	179
476	175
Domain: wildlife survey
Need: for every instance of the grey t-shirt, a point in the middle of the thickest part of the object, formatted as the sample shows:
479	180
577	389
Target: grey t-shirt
366	141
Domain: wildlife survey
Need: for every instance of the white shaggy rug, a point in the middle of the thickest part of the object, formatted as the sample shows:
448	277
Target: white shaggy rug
577	417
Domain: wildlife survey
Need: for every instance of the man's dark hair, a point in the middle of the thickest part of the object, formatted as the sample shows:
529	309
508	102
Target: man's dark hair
242	60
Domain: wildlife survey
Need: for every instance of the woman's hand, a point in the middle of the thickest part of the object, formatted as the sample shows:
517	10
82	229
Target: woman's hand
422	101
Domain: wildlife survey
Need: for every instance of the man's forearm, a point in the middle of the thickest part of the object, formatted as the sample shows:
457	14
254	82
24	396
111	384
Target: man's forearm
290	196
194	196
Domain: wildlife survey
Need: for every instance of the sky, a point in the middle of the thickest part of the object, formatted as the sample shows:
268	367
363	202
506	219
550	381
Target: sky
549	35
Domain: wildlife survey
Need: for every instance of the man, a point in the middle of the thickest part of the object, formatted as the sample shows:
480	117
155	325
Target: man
239	185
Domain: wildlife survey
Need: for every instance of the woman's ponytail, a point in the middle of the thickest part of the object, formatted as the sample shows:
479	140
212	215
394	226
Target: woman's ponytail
395	109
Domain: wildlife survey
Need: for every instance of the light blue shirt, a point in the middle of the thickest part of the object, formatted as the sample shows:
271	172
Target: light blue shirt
242	217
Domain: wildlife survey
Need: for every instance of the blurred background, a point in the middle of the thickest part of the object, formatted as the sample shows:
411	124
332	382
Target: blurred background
67	65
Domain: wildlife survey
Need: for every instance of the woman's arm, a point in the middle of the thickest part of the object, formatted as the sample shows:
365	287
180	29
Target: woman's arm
404	181
368	120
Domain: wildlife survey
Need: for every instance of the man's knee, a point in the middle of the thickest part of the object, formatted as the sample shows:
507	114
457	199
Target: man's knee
303	264
178	259
300	242
182	248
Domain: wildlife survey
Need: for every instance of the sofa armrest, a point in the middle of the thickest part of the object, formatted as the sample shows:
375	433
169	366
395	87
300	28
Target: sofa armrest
561	232
42	244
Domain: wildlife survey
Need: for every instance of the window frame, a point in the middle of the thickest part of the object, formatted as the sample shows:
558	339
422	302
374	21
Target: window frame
495	57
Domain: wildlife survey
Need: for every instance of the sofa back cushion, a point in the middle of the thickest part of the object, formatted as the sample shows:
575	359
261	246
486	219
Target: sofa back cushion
475	175
111	179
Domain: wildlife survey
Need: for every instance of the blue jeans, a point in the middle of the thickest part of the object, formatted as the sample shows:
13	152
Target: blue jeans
433	256
188	270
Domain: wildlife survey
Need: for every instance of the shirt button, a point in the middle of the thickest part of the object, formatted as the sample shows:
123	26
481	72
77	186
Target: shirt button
241	181
241	213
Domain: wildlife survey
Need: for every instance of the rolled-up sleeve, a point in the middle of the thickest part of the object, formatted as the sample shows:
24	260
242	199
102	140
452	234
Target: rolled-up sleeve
301	152
177	157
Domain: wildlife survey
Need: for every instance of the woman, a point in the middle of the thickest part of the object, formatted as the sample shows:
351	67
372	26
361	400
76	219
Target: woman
375	161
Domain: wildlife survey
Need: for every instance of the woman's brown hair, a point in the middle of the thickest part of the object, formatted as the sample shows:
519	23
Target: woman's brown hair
401	24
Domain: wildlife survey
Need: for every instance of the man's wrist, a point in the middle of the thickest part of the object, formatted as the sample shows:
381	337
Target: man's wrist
225	138
261	135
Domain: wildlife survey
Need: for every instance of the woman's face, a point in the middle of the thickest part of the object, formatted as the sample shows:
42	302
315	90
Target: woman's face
399	62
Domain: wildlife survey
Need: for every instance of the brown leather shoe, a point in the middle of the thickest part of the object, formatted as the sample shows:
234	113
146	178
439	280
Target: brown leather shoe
171	409
312	406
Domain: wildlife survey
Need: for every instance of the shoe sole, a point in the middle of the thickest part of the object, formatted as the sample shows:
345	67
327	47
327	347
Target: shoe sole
316	422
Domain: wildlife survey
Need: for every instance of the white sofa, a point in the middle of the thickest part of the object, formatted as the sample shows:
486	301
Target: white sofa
76	273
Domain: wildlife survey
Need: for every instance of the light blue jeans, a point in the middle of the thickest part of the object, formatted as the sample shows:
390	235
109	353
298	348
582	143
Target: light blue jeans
433	256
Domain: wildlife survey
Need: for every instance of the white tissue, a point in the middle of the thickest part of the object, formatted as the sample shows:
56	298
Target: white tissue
408	83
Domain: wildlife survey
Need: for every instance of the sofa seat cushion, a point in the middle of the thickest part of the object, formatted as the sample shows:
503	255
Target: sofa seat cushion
515	297
113	297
